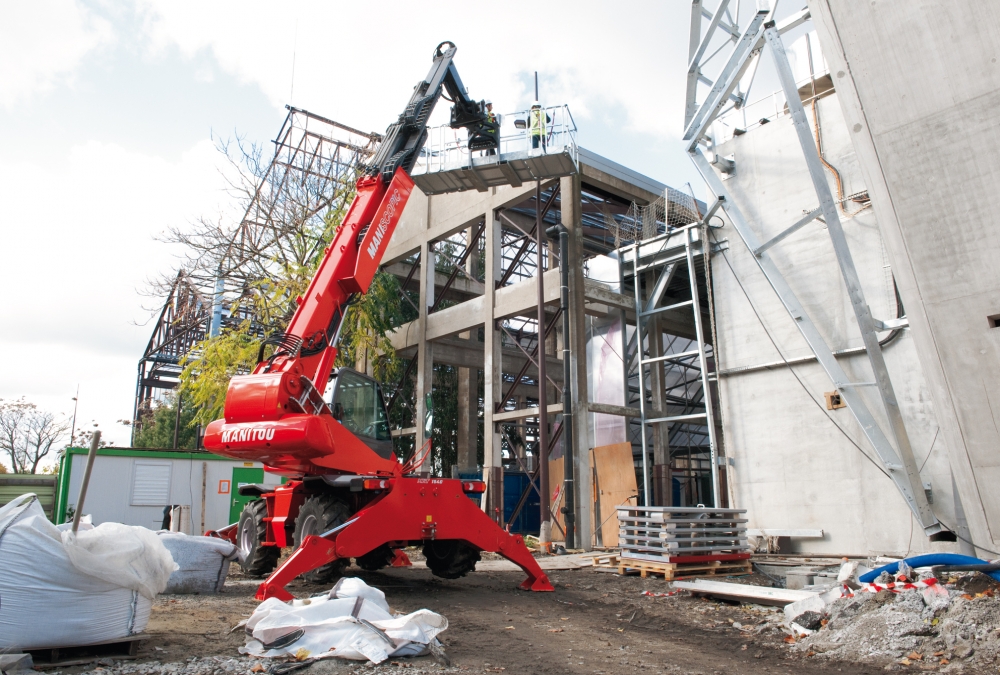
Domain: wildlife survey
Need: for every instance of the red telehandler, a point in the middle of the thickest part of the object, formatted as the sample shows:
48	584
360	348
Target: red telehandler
347	494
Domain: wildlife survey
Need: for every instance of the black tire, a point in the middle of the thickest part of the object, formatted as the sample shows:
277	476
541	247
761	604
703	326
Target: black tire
319	514
450	558
250	536
376	559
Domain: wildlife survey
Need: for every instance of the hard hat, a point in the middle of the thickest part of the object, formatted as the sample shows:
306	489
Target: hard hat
487	102
536	104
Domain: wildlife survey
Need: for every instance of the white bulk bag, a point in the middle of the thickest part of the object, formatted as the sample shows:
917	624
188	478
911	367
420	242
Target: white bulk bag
202	562
97	586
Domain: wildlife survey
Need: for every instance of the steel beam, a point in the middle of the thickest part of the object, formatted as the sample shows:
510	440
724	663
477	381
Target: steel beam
727	81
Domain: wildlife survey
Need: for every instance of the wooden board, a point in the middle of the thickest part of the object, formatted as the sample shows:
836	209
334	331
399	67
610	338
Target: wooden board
121	649
556	476
672	571
614	485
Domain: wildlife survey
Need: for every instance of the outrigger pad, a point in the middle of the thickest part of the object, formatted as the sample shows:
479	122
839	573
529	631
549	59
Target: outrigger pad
411	510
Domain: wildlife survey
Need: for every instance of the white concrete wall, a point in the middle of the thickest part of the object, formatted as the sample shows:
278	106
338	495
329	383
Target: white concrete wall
920	90
109	494
794	468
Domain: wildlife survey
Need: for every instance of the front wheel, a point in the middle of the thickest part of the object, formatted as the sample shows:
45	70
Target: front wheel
319	514
251	534
450	558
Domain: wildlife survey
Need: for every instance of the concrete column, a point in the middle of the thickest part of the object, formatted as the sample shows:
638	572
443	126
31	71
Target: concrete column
571	220
468	400
425	350
492	375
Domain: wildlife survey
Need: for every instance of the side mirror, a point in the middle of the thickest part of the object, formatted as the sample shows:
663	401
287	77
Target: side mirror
521	124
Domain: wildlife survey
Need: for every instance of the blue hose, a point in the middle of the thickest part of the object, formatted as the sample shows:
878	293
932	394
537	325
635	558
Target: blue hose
927	560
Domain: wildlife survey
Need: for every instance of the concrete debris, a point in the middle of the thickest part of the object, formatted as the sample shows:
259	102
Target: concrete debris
933	624
15	664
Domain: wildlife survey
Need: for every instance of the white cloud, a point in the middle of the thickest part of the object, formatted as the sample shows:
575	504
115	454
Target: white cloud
43	42
79	249
356	64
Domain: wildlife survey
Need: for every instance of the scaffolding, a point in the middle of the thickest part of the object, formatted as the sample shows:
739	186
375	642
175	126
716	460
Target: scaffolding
311	173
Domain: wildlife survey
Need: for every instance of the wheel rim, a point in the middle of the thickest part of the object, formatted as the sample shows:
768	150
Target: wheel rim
247	538
309	527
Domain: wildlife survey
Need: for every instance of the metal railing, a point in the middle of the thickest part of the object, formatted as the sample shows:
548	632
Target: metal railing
447	148
770	108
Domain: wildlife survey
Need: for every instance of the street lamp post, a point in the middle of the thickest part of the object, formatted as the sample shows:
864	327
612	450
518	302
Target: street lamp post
72	431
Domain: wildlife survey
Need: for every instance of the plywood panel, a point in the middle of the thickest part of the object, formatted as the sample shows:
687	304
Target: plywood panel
556	476
614	485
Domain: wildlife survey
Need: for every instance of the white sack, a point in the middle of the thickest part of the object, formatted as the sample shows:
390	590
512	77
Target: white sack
202	562
45	601
124	555
333	626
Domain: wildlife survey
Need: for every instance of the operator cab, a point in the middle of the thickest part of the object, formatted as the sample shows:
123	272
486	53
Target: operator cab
356	402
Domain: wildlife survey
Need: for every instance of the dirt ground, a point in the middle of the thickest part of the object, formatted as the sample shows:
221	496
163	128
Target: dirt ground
595	623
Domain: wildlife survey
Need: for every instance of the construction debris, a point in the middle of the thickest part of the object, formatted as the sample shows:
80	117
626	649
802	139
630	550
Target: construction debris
936	622
352	622
15	664
760	595
108	575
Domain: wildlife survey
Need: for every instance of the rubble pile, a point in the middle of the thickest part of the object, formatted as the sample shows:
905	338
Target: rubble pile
220	665
941	624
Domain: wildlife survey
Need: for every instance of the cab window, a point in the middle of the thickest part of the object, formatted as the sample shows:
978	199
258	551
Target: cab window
358	406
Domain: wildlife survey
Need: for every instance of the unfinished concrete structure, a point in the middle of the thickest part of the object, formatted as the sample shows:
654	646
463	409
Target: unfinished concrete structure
830	415
484	313
921	110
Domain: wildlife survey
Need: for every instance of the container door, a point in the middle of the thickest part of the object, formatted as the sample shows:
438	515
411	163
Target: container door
242	476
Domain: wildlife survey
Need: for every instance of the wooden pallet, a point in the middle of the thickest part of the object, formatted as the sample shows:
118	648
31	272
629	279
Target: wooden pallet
58	657
673	571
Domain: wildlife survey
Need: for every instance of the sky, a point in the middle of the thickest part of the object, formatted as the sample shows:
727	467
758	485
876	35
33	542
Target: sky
108	111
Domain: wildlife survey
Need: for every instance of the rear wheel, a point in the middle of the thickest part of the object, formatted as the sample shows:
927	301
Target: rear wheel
321	513
450	558
251	534
376	559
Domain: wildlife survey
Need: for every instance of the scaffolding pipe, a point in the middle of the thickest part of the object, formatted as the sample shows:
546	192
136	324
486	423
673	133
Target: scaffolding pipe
569	508
545	533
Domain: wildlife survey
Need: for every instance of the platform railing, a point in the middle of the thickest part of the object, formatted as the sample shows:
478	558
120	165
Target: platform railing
447	148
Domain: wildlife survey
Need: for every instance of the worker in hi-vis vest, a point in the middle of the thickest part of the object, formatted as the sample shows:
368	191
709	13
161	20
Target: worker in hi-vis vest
537	120
491	118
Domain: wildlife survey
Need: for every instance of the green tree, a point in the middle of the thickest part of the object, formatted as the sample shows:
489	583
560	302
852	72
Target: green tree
157	430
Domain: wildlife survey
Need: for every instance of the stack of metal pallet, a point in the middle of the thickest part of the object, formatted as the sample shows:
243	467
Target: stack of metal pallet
683	541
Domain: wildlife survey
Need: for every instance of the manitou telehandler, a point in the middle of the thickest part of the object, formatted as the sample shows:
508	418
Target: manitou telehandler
347	495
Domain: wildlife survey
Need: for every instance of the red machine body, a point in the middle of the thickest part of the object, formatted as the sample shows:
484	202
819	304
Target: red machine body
348	495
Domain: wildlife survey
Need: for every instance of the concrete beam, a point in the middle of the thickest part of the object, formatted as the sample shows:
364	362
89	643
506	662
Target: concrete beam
515	300
421	223
471	354
608	409
526	413
617	186
462	285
